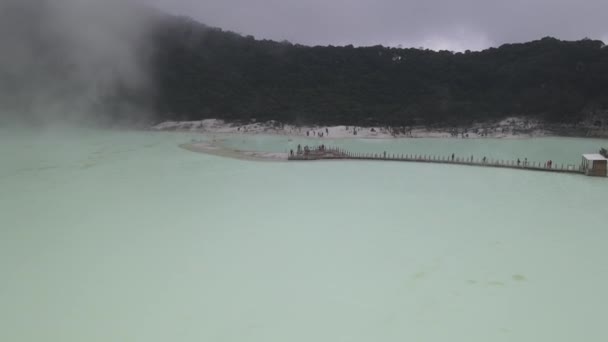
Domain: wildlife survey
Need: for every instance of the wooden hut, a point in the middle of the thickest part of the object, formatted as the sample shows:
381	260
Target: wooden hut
595	165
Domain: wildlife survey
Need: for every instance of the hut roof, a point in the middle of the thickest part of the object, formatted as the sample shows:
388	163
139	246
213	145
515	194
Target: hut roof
594	156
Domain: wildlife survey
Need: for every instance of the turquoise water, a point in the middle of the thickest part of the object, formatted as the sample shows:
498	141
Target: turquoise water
123	236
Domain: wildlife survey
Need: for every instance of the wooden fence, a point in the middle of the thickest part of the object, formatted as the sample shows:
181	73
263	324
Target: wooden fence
341	154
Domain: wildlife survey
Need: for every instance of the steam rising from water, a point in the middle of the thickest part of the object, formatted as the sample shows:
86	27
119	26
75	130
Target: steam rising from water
69	60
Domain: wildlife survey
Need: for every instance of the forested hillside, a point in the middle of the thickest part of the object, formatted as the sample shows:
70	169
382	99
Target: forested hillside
204	72
131	64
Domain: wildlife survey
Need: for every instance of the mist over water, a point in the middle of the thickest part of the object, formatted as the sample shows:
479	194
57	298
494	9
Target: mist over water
73	61
108	236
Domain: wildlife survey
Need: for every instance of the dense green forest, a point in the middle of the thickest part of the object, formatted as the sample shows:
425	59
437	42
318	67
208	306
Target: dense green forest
205	72
53	62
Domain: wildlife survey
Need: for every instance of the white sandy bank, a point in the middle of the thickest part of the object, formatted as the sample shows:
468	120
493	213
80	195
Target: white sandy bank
508	128
213	149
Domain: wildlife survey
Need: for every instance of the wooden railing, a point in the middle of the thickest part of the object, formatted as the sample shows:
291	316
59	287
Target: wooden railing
341	154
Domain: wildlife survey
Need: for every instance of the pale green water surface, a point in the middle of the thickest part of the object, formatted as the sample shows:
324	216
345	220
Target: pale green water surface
123	236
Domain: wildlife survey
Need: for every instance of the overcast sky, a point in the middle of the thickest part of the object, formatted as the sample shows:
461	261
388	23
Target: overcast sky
434	24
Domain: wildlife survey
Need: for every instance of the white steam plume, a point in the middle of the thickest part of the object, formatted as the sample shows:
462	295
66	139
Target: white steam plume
70	59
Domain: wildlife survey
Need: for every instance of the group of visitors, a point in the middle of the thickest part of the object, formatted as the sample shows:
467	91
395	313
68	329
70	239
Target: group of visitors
456	133
306	150
548	164
320	134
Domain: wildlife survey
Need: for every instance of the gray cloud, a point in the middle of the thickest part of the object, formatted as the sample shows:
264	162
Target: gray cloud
437	24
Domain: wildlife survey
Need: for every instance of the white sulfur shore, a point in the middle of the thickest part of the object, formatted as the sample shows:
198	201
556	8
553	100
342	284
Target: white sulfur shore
216	150
508	128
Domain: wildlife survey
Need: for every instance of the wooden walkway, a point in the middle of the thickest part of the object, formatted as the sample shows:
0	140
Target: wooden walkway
341	154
